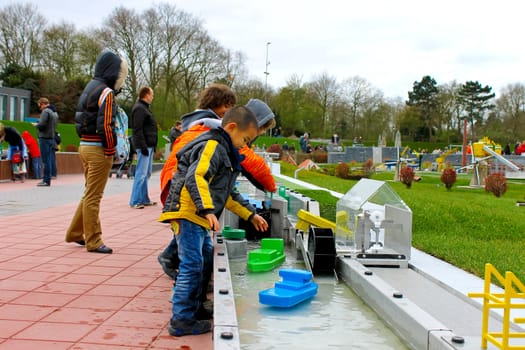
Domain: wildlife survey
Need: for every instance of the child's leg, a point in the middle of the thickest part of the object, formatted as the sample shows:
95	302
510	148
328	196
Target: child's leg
190	239
207	253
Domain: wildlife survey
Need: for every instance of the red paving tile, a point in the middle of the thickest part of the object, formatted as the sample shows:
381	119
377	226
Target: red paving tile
105	302
10	327
55	331
44	299
14	344
24	312
81	316
117	335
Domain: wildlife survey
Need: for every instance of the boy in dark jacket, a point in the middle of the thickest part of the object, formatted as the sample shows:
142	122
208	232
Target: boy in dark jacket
201	188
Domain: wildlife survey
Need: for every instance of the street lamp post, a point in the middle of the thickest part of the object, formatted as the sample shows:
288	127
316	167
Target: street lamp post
266	73
464	148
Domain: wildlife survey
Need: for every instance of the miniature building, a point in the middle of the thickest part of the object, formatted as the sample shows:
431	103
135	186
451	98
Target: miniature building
374	224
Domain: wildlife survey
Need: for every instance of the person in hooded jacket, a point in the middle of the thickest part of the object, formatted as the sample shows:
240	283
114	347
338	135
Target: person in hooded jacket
95	125
10	135
34	153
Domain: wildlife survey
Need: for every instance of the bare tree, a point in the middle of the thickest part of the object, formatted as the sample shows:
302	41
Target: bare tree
90	45
511	108
324	89
124	31
197	63
60	50
357	94
21	26
232	67
449	109
177	31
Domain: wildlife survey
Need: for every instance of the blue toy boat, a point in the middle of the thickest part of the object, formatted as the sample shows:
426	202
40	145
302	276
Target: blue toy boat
296	286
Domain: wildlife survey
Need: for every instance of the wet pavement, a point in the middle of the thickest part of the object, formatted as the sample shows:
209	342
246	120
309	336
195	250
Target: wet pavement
55	295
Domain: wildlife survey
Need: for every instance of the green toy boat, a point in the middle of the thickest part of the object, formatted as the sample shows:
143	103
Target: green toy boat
233	233
268	257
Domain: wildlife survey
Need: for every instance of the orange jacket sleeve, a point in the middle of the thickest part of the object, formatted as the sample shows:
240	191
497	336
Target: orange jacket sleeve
257	171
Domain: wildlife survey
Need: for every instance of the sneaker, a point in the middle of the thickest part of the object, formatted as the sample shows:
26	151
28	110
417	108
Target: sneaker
42	184
178	328
138	206
167	267
150	204
204	313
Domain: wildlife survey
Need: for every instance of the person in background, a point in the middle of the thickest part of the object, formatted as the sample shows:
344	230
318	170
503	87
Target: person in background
56	148
34	153
506	150
285	147
520	150
46	137
94	122
309	148
145	142
10	135
175	132
200	190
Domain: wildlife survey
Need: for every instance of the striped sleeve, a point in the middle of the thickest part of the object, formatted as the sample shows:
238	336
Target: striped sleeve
109	133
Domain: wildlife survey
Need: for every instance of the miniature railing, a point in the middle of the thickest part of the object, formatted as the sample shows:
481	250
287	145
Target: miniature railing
513	289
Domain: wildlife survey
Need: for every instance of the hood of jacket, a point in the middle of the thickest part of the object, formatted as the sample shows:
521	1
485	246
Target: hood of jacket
189	119
111	69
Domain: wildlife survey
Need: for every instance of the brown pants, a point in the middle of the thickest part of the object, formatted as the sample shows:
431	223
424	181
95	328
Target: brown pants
86	221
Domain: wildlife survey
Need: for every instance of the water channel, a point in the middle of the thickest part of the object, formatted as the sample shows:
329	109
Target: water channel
335	318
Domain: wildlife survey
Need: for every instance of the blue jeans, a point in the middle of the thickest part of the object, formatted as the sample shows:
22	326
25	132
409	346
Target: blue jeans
37	172
139	192
170	252
196	264
54	162
46	152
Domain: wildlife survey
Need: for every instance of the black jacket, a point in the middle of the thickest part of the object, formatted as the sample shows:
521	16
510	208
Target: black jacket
94	119
144	126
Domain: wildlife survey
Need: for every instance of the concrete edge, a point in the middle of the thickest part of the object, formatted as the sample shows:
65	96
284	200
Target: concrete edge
405	318
225	325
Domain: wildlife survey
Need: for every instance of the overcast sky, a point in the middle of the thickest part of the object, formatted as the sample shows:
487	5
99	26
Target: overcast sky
389	43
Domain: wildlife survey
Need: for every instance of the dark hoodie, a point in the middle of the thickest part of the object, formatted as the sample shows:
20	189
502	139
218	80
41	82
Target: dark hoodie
189	118
96	108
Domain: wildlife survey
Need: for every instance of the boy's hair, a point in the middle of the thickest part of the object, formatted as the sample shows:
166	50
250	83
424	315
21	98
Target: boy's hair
216	95
242	116
144	91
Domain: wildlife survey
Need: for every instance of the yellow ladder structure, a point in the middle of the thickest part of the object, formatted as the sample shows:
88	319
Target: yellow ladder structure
513	289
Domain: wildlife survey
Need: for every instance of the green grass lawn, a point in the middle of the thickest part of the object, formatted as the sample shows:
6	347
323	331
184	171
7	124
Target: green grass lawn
465	227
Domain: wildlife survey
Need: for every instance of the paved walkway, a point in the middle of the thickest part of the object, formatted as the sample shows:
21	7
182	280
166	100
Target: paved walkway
55	295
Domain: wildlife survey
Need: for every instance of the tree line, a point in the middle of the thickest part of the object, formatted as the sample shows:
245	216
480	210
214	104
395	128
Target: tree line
171	51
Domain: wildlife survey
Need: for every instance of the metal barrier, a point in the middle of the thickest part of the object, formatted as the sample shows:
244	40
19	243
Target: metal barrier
513	289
